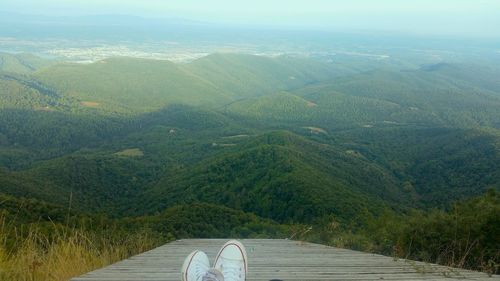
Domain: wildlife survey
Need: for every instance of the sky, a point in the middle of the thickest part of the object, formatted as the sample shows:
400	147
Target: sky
452	17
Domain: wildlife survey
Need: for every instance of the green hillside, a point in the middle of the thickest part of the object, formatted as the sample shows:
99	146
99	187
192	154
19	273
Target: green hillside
281	176
248	76
281	106
424	97
480	76
21	92
440	165
138	85
379	98
323	109
22	63
248	146
130	85
123	128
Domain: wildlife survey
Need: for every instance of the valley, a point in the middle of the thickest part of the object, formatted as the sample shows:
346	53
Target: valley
170	117
261	145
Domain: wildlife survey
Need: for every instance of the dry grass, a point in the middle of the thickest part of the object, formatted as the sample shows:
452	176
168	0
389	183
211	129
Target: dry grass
36	257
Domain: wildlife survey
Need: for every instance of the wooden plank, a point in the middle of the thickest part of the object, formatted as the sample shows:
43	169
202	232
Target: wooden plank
281	259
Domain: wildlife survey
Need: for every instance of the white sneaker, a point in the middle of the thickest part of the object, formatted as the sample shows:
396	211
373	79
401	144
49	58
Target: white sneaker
232	261
213	275
195	266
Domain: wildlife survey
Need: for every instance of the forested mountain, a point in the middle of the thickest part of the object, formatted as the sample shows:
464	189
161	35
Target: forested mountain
247	76
139	85
206	131
284	177
256	144
130	85
22	63
377	97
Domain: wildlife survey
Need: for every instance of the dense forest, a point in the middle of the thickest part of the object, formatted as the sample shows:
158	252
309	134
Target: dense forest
399	160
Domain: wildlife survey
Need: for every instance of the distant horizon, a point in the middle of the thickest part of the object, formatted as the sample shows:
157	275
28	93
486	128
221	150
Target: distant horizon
459	18
256	27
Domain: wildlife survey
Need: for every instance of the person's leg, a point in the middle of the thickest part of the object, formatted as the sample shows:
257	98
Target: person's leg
232	261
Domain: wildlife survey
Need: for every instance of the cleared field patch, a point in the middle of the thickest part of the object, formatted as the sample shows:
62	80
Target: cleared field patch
236	136
130	152
227	144
44	108
354	153
316	130
223	144
89	103
311	104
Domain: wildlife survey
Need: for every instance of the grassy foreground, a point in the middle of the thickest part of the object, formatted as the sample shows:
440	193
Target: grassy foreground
62	254
464	235
42	242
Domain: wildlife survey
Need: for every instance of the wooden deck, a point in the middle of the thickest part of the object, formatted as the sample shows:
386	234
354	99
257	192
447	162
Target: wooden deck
280	259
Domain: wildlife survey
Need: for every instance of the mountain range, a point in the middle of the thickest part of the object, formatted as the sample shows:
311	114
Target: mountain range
286	139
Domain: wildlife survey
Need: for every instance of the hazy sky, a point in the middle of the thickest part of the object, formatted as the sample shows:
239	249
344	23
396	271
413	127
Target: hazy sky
460	17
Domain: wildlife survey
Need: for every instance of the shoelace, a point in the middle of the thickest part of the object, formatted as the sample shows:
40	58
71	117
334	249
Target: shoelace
232	272
201	272
209	276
